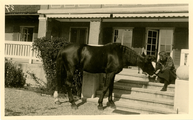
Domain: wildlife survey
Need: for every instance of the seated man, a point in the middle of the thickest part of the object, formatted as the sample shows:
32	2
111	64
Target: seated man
165	70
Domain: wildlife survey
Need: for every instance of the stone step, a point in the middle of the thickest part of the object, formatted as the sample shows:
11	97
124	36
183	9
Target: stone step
134	77
127	85
128	111
153	93
142	108
135	108
131	72
131	80
142	99
143	82
158	86
140	92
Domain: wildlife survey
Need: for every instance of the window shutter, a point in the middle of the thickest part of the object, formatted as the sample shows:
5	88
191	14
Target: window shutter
181	38
138	37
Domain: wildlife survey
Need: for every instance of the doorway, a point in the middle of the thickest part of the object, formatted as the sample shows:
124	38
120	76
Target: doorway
78	35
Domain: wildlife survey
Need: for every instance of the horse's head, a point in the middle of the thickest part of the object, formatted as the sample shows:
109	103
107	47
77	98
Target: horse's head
145	63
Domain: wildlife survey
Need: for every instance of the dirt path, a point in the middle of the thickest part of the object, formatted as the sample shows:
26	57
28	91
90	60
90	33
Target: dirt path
28	103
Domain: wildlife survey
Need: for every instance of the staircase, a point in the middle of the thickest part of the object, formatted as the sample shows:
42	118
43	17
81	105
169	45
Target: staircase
133	93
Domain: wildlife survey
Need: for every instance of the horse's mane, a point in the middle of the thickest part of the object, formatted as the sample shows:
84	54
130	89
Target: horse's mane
131	54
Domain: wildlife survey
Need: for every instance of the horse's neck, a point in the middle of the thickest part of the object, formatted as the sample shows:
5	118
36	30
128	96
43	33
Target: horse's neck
140	62
130	60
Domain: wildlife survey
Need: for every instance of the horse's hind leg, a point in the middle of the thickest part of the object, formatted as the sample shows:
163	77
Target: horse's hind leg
79	83
109	77
60	75
110	100
69	86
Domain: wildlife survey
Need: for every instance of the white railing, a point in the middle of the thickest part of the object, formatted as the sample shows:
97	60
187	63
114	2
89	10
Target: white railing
18	49
184	57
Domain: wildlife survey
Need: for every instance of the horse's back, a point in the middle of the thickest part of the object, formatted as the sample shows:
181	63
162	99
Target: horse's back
70	54
92	59
95	59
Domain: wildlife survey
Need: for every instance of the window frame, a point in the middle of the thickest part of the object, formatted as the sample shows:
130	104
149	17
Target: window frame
21	32
78	28
158	42
113	34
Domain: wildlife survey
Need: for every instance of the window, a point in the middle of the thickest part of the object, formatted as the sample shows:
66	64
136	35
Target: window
159	39
78	35
26	34
123	36
152	39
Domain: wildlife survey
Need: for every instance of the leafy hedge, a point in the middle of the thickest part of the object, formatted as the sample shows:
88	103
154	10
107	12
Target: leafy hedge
49	49
14	77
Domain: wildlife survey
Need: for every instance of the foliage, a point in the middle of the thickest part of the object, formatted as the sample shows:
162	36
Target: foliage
48	50
14	77
40	83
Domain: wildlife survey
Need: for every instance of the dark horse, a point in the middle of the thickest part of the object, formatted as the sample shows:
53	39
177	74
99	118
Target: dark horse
109	59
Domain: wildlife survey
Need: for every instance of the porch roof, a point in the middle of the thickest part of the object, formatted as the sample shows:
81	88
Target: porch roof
150	15
78	16
155	15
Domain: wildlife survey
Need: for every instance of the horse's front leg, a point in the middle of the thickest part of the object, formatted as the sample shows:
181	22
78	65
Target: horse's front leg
109	77
110	100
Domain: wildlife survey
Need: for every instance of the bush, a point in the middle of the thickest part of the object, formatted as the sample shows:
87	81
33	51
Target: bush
14	77
49	49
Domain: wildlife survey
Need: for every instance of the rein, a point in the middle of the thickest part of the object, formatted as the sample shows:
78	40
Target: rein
138	67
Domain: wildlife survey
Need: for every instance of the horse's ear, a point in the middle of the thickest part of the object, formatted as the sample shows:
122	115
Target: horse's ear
143	52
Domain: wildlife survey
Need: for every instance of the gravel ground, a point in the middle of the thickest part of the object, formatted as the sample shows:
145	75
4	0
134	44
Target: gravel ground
28	103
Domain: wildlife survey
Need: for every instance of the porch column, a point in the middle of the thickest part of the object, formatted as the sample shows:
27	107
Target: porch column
94	31
91	82
42	26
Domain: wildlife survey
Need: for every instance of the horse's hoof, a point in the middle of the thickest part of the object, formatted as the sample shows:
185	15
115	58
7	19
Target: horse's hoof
112	105
100	107
108	104
163	89
58	103
74	107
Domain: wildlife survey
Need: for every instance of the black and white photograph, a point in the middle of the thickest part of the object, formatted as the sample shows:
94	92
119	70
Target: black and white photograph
81	59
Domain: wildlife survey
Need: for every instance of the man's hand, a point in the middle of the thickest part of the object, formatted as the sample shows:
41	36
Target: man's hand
151	76
157	71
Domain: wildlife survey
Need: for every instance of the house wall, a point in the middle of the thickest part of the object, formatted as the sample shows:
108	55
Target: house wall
139	31
13	23
180	40
62	29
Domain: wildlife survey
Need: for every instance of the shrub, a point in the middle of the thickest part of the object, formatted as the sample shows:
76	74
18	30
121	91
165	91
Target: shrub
49	49
14	77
